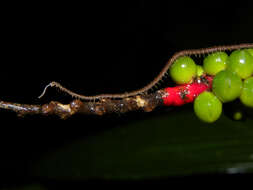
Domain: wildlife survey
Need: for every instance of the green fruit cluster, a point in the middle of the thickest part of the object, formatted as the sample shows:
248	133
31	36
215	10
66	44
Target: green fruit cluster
236	81
233	79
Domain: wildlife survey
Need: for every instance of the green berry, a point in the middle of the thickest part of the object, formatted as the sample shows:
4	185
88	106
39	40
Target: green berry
247	92
207	107
200	70
250	51
183	70
234	110
237	115
241	62
215	63
227	86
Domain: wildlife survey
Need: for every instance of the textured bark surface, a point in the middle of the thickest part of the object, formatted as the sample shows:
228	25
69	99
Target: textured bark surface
104	106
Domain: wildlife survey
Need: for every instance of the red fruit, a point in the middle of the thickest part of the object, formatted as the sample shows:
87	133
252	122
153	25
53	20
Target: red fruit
183	94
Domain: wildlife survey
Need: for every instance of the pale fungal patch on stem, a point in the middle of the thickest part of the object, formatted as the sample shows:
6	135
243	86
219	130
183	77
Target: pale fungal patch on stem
140	102
163	93
65	107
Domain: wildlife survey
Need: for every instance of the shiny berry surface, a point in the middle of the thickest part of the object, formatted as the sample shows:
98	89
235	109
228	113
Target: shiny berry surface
247	92
241	62
183	70
215	63
207	107
227	86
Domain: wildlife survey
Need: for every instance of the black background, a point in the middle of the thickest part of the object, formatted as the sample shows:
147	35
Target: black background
93	48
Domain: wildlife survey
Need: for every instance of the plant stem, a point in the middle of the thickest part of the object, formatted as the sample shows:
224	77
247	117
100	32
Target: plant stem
176	96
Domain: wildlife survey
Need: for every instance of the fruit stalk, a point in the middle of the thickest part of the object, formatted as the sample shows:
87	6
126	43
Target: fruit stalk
182	94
